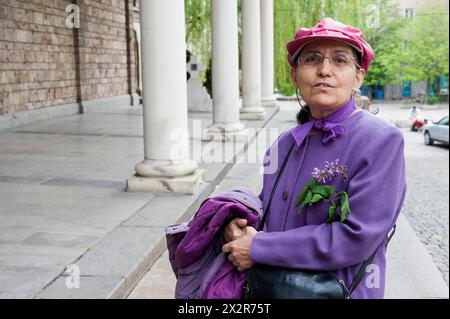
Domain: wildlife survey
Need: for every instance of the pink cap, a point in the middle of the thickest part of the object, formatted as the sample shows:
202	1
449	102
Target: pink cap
332	30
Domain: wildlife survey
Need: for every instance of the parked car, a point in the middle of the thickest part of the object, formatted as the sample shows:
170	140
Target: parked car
436	131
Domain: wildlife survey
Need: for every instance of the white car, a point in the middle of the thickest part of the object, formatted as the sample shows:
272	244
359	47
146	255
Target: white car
436	132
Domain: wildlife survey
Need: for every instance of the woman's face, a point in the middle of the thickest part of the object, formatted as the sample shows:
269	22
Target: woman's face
326	87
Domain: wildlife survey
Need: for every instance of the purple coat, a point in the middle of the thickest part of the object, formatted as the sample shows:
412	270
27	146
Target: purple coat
202	269
372	150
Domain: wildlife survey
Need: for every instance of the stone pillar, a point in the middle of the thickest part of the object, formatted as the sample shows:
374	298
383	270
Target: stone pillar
225	74
166	166
267	54
251	61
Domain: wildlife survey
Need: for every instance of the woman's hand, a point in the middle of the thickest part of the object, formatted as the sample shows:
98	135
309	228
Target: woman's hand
239	250
234	230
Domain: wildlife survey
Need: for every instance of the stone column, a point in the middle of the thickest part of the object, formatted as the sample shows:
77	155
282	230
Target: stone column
225	73
166	166
251	61
267	61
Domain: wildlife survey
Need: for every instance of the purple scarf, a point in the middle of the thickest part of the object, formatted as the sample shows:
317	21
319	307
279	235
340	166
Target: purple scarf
329	126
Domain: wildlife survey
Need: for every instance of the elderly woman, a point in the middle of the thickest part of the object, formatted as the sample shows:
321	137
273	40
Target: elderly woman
354	157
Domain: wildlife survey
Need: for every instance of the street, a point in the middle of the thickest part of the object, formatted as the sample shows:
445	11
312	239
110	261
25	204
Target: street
426	205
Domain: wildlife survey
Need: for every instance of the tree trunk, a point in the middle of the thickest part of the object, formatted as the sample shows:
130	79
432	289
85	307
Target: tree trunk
437	86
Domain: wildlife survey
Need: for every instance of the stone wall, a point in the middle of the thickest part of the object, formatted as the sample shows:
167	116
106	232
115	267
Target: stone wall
45	63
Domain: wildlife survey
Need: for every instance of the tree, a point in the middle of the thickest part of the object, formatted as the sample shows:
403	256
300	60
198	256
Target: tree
429	45
198	28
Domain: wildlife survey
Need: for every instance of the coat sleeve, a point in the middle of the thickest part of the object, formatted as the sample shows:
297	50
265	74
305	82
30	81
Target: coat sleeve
376	191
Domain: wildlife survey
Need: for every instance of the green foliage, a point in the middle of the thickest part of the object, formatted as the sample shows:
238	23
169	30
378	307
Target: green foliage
428	46
313	192
405	49
432	100
345	206
305	190
198	28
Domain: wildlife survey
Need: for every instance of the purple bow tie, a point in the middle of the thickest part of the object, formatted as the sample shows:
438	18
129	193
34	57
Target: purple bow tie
329	126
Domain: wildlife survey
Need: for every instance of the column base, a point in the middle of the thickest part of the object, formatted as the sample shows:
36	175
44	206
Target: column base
270	101
188	184
165	168
252	113
226	132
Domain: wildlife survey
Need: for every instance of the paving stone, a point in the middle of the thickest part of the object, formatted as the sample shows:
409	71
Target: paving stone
24	282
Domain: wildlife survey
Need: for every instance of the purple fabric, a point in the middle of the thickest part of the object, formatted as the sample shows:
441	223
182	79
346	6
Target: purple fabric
203	271
330	125
372	149
227	282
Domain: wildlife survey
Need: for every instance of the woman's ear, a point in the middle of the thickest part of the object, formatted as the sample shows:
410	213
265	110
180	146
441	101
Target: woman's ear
359	79
294	76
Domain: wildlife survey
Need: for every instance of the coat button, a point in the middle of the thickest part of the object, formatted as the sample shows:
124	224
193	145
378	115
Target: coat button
285	195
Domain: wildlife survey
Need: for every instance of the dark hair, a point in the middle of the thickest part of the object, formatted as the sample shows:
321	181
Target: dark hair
303	115
357	55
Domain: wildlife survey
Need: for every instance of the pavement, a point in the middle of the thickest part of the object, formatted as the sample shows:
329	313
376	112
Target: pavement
69	230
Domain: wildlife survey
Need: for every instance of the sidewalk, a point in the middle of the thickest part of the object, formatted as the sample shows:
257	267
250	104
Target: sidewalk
63	202
61	189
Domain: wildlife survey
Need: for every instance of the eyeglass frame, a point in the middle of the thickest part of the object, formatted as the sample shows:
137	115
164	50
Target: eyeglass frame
299	58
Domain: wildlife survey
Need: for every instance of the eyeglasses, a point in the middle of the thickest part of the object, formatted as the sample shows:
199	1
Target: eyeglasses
337	59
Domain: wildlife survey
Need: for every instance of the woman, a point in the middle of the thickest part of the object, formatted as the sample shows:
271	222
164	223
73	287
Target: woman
335	144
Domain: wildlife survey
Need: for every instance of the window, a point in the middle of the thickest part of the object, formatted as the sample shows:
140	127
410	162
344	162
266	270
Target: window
444	121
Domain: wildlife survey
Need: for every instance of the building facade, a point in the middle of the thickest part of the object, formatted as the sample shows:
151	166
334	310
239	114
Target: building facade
68	53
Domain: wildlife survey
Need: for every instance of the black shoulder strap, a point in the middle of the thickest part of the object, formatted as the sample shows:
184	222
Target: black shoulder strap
362	270
266	213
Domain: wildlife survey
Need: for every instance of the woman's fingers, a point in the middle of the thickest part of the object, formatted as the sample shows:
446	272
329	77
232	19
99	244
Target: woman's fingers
226	248
241	222
234	229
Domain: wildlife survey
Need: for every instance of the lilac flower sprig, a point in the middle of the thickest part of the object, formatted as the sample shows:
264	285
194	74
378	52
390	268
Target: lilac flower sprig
316	190
330	171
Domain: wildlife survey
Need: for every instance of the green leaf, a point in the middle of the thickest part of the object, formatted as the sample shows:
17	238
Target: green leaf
308	198
324	190
302	195
331	212
315	198
345	206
